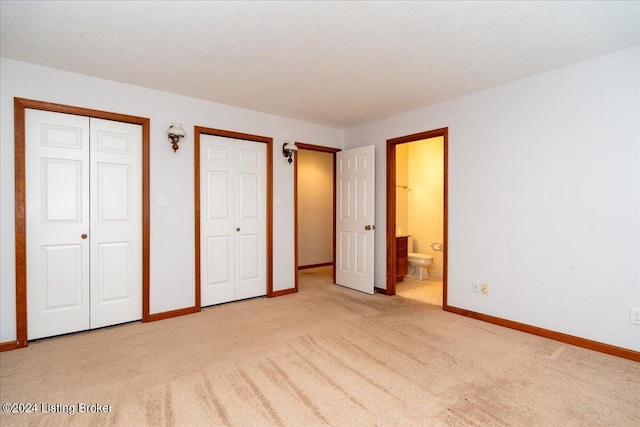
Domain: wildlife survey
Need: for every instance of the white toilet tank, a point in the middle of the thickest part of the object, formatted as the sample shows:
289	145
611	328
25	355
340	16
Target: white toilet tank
415	255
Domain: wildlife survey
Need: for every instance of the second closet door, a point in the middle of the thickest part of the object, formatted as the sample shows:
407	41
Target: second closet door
233	219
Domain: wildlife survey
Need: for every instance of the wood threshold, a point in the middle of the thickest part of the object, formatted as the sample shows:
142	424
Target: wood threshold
173	313
547	333
20	105
197	132
306	267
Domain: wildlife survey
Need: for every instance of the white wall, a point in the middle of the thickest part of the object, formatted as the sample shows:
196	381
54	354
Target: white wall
543	196
315	207
172	227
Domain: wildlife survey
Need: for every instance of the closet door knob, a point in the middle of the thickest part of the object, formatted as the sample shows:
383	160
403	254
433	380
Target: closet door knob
84	236
367	227
238	229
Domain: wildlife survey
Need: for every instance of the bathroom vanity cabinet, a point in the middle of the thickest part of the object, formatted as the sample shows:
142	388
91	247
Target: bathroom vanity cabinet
403	261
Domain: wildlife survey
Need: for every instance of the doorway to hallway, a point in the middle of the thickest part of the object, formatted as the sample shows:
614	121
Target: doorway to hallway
315	207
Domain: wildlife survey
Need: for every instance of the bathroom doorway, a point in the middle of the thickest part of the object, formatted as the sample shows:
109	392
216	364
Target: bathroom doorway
315	201
417	217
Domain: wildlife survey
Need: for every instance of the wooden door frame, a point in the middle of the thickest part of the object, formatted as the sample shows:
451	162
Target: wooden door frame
197	132
20	105
392	257
322	149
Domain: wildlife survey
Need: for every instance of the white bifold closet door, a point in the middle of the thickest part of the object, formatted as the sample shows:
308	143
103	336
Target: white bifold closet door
233	219
84	223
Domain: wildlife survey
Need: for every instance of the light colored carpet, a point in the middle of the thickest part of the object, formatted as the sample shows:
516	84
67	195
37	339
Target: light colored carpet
324	356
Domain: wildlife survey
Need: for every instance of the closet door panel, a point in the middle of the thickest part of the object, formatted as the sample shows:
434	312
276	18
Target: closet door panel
57	206
233	219
251	219
116	222
217	275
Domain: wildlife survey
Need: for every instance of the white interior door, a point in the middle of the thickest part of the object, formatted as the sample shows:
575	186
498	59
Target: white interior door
116	222
57	204
233	219
251	219
355	230
84	223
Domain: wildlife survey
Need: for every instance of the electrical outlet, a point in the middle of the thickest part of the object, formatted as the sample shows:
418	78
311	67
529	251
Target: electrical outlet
484	289
634	315
162	201
475	287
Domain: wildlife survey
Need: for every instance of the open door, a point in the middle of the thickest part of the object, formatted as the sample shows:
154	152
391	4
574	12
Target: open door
355	230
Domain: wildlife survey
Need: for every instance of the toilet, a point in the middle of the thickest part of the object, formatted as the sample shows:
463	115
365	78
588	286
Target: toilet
418	263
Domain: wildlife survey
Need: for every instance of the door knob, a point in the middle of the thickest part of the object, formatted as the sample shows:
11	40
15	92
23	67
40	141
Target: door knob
238	229
367	227
84	236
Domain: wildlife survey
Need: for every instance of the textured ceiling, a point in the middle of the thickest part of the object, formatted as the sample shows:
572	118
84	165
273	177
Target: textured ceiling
334	63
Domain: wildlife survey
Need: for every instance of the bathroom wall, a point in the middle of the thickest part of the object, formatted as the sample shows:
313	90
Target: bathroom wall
402	194
426	201
315	207
544	196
